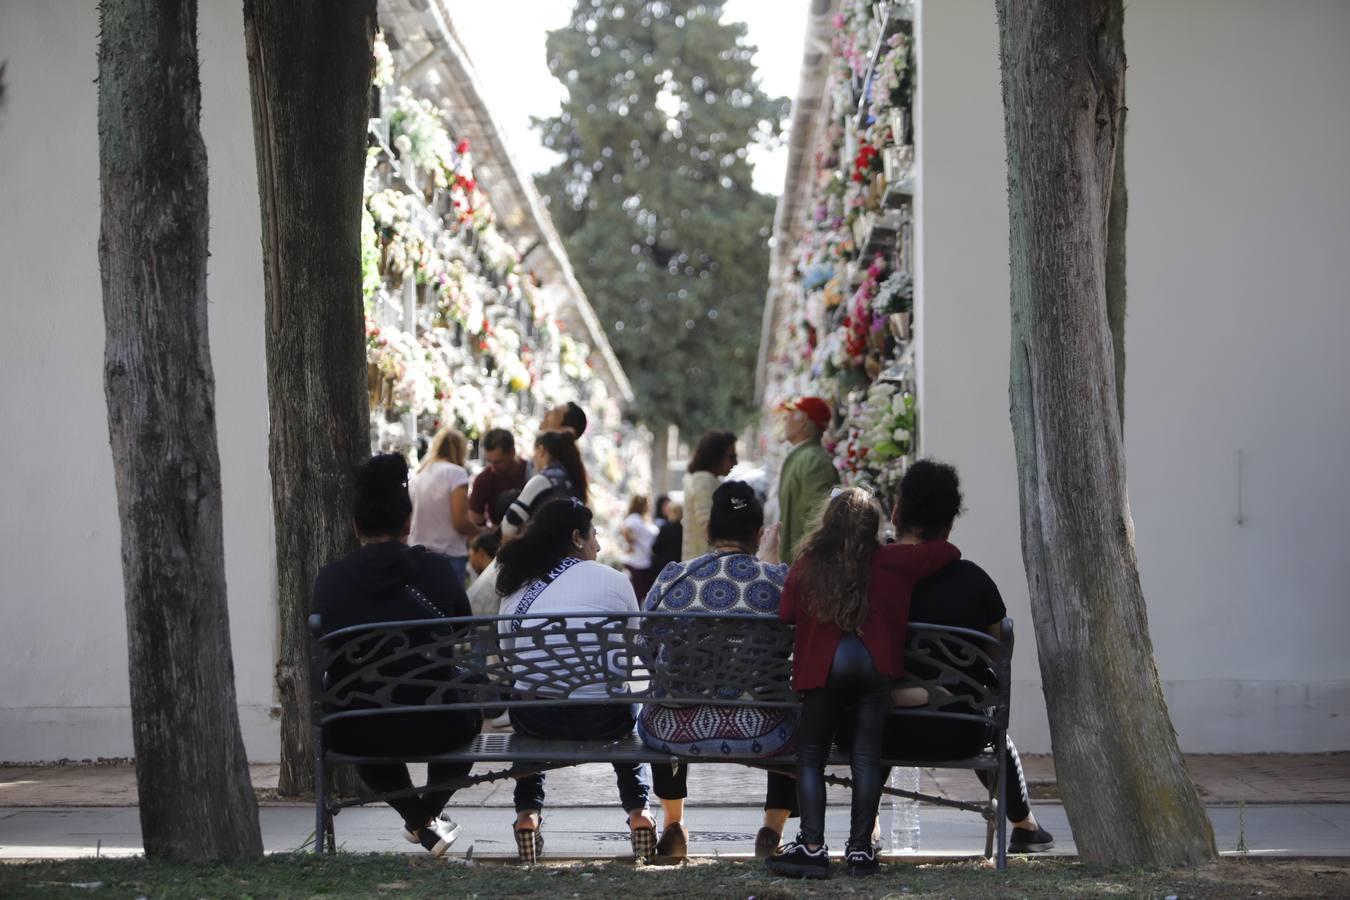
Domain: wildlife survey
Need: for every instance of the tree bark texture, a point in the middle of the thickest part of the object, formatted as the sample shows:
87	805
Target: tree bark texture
1115	258
1126	790
310	68
196	801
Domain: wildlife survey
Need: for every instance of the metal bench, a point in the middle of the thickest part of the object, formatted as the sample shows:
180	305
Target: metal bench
665	657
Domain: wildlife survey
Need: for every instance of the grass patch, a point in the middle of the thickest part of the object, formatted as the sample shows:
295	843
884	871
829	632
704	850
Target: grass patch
358	875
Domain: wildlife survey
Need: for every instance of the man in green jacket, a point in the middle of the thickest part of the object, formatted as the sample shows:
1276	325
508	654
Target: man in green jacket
808	472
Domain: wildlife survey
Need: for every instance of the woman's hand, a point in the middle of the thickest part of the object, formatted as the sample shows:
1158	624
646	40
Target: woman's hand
768	544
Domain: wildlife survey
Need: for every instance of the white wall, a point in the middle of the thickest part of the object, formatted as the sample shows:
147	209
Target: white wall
62	626
1238	309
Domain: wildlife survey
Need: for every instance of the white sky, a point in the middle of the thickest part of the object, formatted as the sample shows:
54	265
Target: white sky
506	38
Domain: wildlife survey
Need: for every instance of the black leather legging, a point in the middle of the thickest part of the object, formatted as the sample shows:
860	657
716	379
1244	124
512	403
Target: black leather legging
854	681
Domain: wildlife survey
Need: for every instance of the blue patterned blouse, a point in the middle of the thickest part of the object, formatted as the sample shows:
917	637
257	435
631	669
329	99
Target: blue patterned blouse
731	583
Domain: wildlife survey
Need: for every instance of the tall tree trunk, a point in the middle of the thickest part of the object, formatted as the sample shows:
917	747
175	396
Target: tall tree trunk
1115	225
660	460
196	801
310	66
1126	790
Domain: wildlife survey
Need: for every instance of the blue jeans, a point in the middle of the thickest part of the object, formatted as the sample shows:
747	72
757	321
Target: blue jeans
461	565
580	721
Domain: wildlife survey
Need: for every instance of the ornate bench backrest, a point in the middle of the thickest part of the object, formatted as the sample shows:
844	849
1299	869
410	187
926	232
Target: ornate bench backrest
542	660
967	673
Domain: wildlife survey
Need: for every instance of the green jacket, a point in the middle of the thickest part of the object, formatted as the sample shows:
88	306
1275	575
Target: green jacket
803	487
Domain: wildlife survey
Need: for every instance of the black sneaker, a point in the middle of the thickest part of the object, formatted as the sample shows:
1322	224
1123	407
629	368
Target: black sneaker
1023	841
436	836
861	858
794	860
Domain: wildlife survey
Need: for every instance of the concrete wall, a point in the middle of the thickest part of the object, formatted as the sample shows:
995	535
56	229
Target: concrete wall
1239	306
62	626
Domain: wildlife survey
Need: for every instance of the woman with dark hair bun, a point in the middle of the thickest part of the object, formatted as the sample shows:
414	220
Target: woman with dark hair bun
729	579
551	568
385	580
713	460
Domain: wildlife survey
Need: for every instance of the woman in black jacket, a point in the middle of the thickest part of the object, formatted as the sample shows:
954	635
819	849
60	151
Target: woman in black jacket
385	580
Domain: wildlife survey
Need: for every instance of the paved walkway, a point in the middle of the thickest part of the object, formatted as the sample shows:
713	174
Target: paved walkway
1268	830
1295	805
1221	779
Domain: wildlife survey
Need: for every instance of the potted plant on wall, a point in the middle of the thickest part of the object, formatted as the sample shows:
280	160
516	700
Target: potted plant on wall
895	300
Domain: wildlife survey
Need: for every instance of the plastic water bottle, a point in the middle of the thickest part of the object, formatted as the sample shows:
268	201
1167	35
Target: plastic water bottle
904	812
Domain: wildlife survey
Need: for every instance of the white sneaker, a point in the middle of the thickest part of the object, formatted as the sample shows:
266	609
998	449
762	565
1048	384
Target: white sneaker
437	836
501	722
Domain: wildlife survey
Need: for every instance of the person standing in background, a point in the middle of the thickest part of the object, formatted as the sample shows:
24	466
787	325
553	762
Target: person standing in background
440	495
565	417
713	458
669	533
639	536
504	472
808	473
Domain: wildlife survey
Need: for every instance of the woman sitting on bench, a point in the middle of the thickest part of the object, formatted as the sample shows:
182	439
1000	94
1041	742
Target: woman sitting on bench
385	580
729	580
550	568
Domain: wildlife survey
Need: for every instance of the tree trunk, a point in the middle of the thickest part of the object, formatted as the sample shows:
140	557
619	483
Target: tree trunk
1115	257
1126	790
660	461
310	67
196	801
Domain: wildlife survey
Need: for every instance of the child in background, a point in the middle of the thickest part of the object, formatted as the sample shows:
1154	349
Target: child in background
482	551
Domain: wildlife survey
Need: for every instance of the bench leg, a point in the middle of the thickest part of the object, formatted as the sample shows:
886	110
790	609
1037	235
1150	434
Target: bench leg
321	820
1000	812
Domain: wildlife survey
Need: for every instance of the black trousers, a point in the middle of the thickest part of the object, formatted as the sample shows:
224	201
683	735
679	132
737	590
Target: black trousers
408	735
919	741
853	682
672	783
419	808
924	740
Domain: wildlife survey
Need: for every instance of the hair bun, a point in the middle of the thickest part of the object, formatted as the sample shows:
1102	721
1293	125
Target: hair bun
735	496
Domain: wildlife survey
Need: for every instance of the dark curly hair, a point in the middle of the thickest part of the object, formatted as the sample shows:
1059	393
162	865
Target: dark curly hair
380	501
930	500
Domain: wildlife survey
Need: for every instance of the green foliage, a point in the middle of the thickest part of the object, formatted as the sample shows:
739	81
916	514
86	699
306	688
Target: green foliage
654	199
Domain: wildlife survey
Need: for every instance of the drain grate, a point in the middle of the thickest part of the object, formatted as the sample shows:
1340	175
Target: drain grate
702	837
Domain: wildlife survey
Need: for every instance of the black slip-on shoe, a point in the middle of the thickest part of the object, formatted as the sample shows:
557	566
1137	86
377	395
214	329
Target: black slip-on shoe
1024	841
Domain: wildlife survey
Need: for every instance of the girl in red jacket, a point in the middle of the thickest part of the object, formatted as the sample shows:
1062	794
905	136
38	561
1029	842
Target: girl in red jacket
849	596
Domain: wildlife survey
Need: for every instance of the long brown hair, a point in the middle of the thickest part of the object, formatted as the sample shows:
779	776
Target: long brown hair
836	559
562	447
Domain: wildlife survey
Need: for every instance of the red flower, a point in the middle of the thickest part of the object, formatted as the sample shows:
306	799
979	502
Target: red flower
462	147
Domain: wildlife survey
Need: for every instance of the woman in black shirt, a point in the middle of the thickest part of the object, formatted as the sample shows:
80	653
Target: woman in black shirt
386	580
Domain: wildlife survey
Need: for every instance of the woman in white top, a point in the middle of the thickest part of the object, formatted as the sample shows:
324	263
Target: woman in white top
713	458
551	568
440	495
638	537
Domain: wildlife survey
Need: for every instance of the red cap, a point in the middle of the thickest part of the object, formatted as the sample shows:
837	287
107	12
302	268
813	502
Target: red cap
815	409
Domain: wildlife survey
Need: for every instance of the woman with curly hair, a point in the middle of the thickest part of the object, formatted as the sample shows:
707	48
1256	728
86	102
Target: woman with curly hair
849	597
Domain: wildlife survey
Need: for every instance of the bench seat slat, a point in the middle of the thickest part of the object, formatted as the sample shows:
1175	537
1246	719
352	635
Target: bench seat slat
508	748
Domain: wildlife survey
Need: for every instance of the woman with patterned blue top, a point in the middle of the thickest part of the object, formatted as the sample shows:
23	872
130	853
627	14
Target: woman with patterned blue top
729	579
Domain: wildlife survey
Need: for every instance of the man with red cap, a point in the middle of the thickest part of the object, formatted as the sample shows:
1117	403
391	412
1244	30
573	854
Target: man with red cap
808	472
